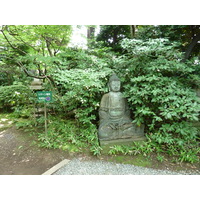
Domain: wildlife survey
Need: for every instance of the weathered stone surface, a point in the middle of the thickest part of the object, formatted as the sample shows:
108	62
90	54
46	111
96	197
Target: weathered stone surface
115	122
36	84
123	141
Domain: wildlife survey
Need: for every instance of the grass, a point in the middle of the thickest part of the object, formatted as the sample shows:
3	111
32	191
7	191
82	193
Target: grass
6	121
138	160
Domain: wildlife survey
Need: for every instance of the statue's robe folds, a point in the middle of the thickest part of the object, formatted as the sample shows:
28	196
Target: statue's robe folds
115	121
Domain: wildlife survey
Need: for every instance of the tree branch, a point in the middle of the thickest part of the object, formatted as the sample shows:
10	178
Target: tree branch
34	76
10	42
48	46
20	39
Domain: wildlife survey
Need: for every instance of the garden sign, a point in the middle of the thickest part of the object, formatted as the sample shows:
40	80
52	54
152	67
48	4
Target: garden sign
44	96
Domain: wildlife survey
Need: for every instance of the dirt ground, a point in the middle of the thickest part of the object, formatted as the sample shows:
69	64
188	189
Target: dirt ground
19	155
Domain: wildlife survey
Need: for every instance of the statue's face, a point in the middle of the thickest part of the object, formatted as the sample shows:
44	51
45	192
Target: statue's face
115	86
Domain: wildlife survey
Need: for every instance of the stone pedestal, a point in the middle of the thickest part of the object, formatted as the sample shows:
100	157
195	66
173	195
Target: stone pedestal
123	141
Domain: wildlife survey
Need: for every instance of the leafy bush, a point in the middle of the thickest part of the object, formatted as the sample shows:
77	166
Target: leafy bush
80	79
159	90
14	96
83	89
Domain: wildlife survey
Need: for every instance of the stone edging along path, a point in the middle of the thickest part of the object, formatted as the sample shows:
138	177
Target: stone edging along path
56	167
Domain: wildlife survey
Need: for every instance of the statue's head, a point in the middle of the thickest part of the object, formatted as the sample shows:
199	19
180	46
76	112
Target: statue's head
114	83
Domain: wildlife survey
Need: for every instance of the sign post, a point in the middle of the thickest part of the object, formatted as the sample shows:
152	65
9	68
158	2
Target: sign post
45	118
45	96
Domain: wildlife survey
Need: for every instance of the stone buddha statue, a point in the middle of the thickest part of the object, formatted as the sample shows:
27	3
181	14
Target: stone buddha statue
115	121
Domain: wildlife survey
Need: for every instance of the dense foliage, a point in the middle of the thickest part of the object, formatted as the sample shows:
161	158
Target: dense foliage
186	35
159	85
25	49
14	96
111	35
17	98
160	91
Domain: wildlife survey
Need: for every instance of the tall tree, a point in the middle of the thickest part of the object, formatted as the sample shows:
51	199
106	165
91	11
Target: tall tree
132	30
34	47
188	36
194	42
111	35
90	35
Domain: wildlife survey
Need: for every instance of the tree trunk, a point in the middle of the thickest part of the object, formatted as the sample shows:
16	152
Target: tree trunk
90	32
132	30
191	47
90	35
115	37
48	47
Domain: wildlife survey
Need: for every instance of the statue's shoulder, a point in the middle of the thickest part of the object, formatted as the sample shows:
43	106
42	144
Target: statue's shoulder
106	95
104	100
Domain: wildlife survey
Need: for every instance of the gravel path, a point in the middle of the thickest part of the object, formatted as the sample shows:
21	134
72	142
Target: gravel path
80	167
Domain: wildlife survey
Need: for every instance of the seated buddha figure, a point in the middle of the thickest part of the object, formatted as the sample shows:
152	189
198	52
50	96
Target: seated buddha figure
115	121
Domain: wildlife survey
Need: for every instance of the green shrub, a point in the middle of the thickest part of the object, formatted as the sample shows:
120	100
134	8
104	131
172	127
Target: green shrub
160	93
81	92
14	96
